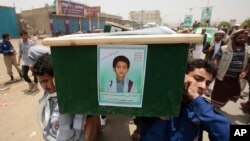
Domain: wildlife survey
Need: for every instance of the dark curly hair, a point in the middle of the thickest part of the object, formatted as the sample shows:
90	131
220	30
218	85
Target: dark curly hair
5	35
210	67
120	58
23	32
43	65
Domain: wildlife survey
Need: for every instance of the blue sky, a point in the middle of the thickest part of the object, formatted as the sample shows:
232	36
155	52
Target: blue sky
172	11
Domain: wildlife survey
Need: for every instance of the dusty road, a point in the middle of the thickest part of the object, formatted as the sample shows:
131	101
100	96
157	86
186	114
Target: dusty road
18	112
18	109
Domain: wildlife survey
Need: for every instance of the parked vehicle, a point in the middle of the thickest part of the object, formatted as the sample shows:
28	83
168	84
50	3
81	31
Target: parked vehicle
210	31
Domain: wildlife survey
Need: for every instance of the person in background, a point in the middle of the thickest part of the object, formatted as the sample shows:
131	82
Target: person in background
197	52
232	61
226	37
9	53
24	46
212	48
245	106
195	25
34	38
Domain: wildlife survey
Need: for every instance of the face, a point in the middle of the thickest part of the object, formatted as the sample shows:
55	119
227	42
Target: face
7	38
121	69
25	37
202	78
47	83
240	40
203	31
218	37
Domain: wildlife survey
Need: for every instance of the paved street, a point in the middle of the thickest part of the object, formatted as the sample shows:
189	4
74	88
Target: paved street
18	113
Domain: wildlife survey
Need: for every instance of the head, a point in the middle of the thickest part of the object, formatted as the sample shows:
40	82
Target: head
225	30
219	35
239	37
24	35
6	36
121	66
44	71
236	26
203	73
203	31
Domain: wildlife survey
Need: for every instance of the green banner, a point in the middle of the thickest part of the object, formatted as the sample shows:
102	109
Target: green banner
206	13
188	20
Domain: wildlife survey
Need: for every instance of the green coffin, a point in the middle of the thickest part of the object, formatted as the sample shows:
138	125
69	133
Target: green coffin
75	66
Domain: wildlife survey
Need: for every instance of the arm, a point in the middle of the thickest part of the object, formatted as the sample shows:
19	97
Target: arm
1	47
32	43
244	73
207	48
20	54
248	66
217	126
217	57
6	51
204	39
70	127
12	48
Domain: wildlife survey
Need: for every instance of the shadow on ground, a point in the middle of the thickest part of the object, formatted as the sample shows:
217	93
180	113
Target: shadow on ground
121	124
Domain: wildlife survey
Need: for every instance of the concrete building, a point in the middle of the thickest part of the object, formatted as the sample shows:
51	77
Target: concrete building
36	20
66	18
146	16
46	20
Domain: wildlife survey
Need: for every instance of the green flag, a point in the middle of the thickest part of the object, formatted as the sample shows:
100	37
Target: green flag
206	13
188	20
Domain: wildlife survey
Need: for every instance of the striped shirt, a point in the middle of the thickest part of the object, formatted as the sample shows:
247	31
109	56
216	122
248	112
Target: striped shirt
236	65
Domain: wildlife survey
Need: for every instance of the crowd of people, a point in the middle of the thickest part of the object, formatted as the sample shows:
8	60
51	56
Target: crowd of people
230	52
225	61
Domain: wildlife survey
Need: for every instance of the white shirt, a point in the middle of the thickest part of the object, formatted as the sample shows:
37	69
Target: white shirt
216	48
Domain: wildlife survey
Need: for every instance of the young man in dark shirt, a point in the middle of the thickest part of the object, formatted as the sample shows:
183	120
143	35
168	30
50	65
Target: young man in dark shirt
7	49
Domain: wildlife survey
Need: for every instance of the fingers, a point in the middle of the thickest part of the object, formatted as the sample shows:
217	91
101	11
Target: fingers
188	80
192	91
242	75
191	86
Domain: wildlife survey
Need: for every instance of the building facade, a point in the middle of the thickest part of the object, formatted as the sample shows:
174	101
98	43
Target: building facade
146	16
66	18
36	20
8	22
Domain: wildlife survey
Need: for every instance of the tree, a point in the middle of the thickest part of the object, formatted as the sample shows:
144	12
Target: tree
224	24
246	23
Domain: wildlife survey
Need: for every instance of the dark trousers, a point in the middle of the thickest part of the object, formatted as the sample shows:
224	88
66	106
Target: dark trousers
25	70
